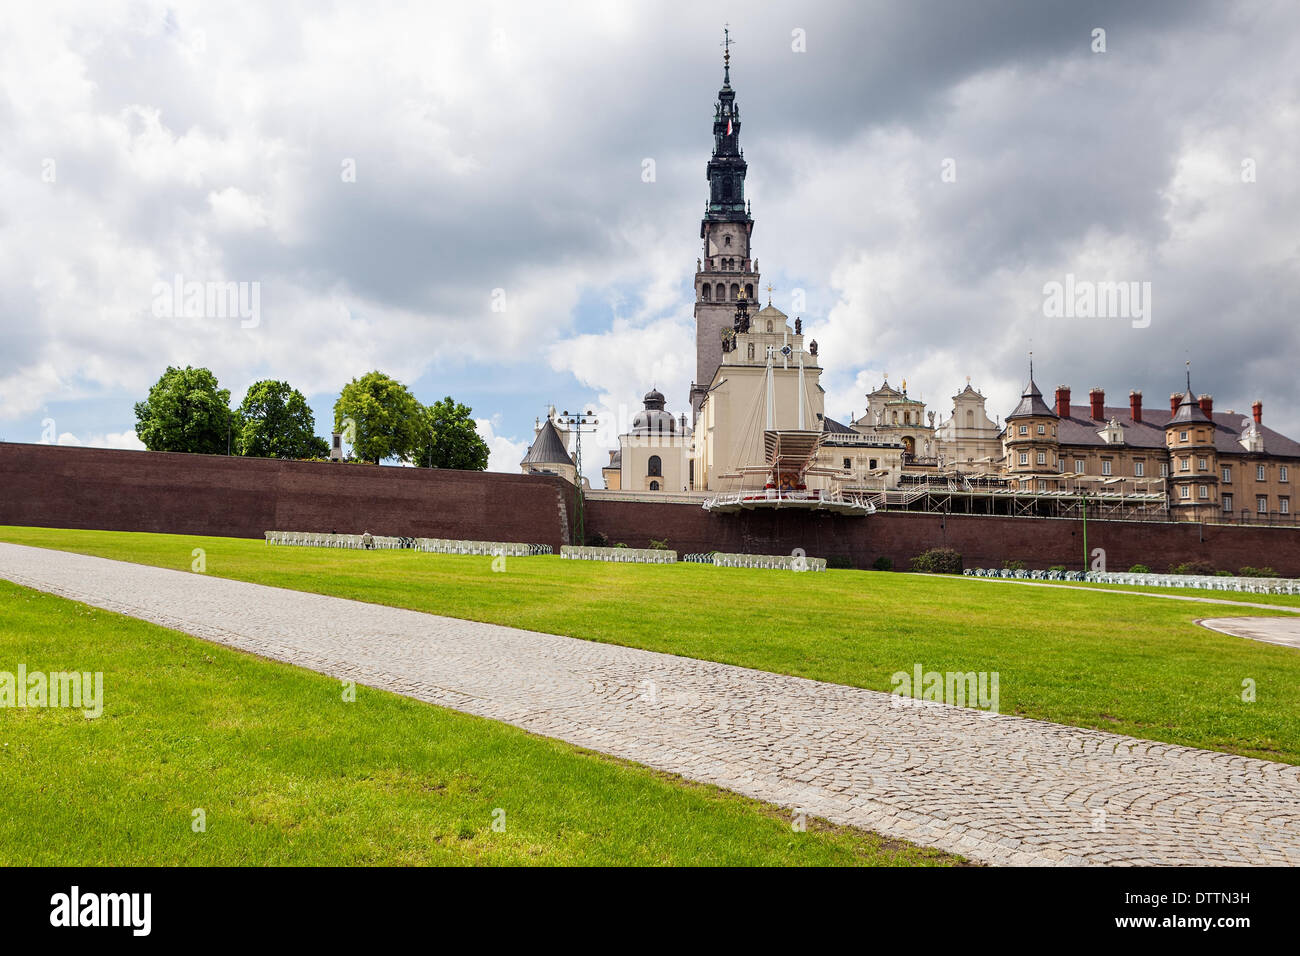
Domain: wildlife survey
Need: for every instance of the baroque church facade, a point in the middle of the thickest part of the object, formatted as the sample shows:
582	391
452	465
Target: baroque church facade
758	372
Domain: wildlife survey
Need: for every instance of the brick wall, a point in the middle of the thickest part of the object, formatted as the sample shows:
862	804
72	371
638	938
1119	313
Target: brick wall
64	487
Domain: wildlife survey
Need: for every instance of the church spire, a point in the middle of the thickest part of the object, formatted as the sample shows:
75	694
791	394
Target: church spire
726	57
727	167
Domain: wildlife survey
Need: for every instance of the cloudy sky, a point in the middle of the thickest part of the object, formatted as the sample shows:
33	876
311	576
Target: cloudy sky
456	196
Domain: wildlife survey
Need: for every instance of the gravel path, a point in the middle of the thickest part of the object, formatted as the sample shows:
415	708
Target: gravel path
996	788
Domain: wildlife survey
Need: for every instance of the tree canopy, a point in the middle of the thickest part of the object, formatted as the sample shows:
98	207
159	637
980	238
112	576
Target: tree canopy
449	438
275	421
385	417
185	411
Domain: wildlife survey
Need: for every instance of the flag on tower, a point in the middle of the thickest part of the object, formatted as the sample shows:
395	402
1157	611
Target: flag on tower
728	125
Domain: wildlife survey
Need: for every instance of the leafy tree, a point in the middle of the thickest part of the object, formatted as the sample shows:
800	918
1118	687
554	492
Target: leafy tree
185	411
275	421
448	438
386	415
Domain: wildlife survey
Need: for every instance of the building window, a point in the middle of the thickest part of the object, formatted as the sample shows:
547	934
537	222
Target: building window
1284	505
1261	504
749	291
1079	465
1164	469
1227	476
1182	436
1202	464
1024	458
1184	491
1042	457
1105	466
721	292
735	291
654	486
1042	486
873	464
1203	491
1227	504
970	418
1024	429
706	293
1042	429
1282	473
654	466
1259	473
1139	469
848	464
1184	464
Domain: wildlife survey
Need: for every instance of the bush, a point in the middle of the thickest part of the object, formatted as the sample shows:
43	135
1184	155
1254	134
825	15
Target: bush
620	545
1012	564
1139	569
657	544
841	561
1193	567
937	561
883	563
1249	572
598	539
1223	574
1057	567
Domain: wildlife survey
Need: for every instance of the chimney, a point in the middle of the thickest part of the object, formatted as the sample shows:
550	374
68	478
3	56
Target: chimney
1097	399
1063	401
1174	399
1207	405
1135	405
1257	410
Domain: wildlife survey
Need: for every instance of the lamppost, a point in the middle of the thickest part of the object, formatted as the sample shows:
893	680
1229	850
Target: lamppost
577	423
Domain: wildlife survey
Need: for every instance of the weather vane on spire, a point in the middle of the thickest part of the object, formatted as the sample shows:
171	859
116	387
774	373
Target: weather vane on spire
726	54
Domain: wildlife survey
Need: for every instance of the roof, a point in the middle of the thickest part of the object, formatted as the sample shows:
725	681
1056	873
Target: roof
1189	410
548	447
1031	404
831	426
1081	429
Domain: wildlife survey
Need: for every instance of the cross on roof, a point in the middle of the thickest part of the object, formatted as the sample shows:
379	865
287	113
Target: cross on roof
769	293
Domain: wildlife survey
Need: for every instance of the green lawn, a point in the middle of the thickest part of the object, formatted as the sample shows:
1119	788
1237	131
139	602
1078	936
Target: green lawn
287	772
1127	664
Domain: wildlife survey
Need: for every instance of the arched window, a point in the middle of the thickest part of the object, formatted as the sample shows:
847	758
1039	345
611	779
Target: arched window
721	292
654	486
654	466
705	291
735	291
749	291
726	240
970	418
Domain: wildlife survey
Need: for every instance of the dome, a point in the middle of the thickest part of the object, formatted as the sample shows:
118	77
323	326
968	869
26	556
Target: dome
654	420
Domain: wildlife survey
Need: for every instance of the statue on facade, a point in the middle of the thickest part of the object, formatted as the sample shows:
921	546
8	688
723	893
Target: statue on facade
798	326
812	348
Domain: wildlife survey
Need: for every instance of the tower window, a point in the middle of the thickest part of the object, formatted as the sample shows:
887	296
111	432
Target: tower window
654	486
726	240
654	466
705	292
735	291
721	292
749	291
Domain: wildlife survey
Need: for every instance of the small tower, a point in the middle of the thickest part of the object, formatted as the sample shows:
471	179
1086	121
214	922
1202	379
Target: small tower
1193	458
1031	442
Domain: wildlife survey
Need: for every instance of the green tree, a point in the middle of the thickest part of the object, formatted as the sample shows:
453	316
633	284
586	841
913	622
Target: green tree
385	417
275	421
449	438
185	411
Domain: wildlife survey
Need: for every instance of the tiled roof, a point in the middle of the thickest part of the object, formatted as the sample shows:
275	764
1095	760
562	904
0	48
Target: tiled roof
1081	429
830	425
1031	403
548	448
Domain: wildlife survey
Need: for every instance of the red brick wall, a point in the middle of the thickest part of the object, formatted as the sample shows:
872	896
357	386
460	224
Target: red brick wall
65	487
62	487
982	541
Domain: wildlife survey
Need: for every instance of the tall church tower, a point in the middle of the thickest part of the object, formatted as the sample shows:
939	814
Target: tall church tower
727	269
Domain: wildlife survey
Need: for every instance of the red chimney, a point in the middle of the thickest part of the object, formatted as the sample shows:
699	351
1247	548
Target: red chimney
1097	399
1258	411
1207	405
1135	405
1174	399
1063	401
